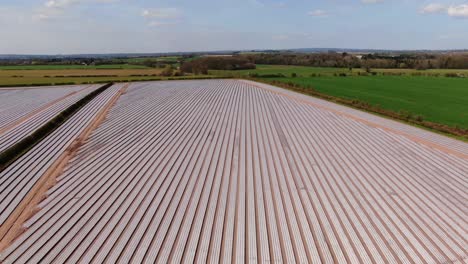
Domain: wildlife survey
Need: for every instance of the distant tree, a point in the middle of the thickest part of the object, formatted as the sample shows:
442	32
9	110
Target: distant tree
150	63
376	60
168	71
202	65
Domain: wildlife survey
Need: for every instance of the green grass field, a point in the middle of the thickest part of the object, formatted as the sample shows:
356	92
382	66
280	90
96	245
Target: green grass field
302	71
437	99
286	70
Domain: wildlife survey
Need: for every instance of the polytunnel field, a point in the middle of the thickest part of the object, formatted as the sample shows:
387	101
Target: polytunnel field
22	110
224	171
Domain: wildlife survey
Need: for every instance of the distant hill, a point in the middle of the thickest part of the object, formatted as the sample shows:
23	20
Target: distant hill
224	52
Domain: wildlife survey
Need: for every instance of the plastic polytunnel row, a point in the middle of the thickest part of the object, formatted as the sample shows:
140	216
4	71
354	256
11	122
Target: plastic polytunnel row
22	181
224	171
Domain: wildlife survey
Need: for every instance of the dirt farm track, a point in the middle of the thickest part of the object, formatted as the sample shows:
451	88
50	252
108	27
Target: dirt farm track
225	171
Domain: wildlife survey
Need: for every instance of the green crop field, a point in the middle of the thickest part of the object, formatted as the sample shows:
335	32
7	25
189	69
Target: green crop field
57	76
302	71
54	76
440	99
436	99
286	70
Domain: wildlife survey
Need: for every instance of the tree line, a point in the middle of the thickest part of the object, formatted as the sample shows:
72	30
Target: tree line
346	60
203	64
148	62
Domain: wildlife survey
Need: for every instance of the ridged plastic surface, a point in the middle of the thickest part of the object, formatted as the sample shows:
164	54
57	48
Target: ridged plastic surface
19	178
22	111
228	171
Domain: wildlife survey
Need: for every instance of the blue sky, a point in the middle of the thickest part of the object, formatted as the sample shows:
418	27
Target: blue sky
110	26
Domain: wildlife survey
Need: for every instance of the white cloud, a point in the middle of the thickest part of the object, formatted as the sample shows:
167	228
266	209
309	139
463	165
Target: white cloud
56	8
162	16
460	11
59	3
53	8
318	13
371	1
67	3
162	13
47	13
433	8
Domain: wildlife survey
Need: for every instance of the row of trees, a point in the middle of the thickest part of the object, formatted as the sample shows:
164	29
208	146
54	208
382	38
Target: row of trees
316	60
202	65
149	62
345	60
155	63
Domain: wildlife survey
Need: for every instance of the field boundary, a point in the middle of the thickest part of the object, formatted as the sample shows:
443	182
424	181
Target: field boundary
454	132
13	226
123	80
373	124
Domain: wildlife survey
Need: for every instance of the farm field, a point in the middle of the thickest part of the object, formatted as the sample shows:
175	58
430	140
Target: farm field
304	71
76	76
142	59
236	171
22	179
22	110
128	63
73	67
436	99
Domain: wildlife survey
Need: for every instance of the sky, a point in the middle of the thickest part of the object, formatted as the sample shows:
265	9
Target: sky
143	26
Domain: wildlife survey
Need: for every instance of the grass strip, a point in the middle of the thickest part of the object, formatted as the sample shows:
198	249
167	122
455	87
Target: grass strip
13	153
